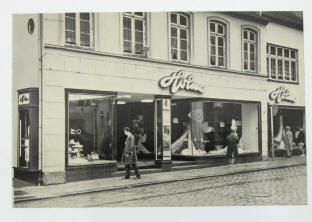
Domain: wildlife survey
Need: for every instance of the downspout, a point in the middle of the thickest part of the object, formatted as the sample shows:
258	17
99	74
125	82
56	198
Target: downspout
40	90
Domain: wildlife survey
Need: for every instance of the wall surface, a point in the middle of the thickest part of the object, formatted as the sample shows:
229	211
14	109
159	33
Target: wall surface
25	65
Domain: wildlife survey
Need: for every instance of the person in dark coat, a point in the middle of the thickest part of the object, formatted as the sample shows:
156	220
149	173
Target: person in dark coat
231	142
301	140
129	156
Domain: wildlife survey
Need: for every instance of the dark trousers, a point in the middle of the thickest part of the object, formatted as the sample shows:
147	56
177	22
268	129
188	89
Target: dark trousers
128	168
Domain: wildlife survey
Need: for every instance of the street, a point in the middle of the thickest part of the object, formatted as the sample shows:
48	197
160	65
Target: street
283	186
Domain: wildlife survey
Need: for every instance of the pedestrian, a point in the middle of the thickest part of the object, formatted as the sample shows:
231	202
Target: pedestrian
288	141
129	156
301	140
231	142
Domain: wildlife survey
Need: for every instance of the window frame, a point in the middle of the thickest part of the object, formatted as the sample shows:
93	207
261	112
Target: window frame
179	27
78	31
132	16
256	41
281	76
218	21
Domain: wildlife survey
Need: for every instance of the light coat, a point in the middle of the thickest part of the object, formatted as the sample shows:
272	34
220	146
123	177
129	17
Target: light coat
129	155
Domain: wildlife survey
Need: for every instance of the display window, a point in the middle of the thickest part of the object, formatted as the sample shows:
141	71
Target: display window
24	127
90	128
200	128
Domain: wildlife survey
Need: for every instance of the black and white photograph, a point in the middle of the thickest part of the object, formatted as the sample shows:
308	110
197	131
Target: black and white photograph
138	108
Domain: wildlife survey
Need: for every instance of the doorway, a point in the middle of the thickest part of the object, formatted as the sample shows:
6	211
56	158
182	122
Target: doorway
137	112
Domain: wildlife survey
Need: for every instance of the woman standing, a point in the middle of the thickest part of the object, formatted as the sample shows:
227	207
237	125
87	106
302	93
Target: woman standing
288	140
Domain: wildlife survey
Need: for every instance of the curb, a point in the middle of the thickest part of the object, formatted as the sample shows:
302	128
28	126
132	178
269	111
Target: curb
156	182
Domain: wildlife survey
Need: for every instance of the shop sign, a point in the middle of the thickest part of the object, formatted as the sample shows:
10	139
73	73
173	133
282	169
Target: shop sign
178	80
23	99
281	94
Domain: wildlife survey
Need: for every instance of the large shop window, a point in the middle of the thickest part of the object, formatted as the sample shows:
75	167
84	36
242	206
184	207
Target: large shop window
282	63
200	128
78	29
90	128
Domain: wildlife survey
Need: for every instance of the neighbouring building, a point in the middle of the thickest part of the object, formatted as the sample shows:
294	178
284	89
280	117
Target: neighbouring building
179	80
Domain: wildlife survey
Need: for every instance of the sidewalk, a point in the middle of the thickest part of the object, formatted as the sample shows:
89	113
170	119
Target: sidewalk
27	193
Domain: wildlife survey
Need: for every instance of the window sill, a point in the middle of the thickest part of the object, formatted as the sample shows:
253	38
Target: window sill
78	47
134	55
282	81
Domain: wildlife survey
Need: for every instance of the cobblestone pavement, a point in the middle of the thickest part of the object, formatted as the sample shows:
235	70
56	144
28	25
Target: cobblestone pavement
284	186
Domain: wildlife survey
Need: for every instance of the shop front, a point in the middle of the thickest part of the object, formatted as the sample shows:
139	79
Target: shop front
285	112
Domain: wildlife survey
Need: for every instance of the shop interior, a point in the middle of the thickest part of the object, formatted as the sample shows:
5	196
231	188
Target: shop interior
200	128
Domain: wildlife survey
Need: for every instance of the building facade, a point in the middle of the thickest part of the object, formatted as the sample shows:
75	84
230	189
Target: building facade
179	80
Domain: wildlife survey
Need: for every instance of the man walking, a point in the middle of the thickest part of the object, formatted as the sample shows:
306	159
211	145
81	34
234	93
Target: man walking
129	156
231	142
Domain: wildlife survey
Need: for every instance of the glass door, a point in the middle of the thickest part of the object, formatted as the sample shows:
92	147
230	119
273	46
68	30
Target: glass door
24	135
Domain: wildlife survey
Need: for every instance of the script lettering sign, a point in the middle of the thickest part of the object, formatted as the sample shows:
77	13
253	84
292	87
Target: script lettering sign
23	99
281	94
178	80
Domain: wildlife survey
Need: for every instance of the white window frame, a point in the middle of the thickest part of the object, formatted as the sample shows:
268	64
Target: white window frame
77	34
178	26
249	42
133	17
225	25
281	76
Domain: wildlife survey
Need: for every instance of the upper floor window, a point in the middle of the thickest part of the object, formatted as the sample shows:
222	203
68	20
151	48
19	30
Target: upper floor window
282	63
134	32
249	50
179	36
78	29
217	35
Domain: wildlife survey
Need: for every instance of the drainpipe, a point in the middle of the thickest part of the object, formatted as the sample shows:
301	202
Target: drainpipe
40	90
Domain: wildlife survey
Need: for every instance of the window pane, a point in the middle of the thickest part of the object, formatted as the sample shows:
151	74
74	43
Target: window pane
139	37
246	65
280	68
293	71
220	29
267	49
268	65
245	47
127	34
84	27
213	60
138	48
183	55
212	27
252	47
245	56
127	46
139	13
174	42
183	44
286	53
252	66
84	39
293	54
183	33
212	40
127	23
279	51
174	32
173	18
245	35
220	61
273	50
252	56
213	50
138	25
220	51
273	67
85	16
251	36
286	67
174	54
183	20
70	37
70	24
220	41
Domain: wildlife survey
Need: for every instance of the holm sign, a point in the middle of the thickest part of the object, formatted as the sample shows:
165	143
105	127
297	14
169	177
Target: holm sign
178	80
281	94
23	99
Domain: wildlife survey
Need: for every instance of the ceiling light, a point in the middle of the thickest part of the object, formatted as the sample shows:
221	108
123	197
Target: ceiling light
124	96
121	102
147	100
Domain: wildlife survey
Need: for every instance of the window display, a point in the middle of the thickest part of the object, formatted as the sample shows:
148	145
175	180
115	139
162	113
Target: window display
90	127
24	134
200	128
